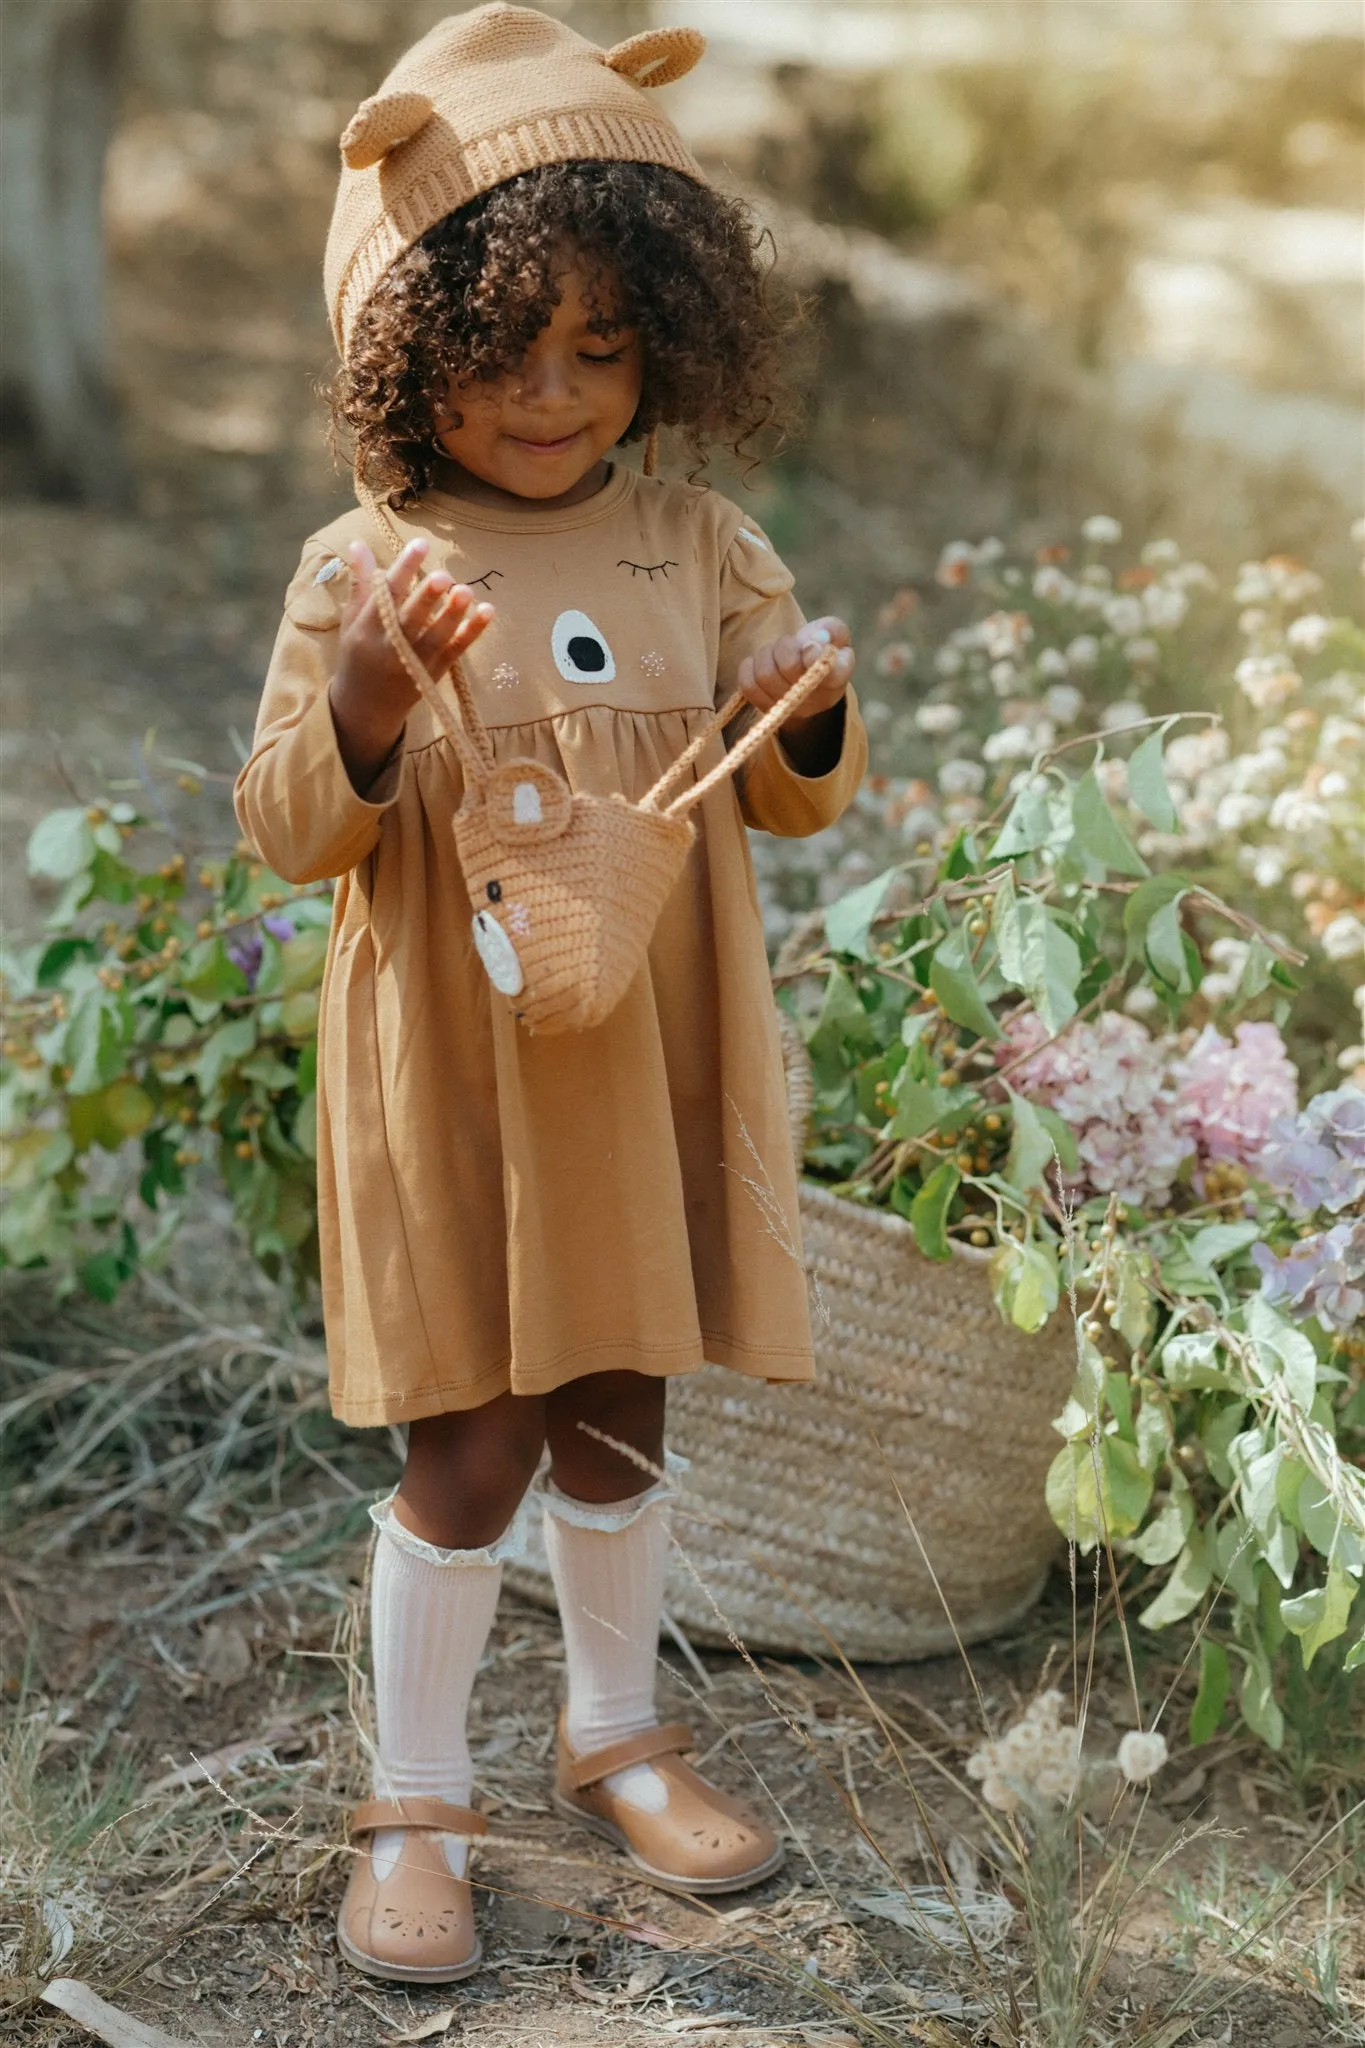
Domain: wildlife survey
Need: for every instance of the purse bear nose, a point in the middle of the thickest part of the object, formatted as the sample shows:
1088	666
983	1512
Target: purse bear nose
581	650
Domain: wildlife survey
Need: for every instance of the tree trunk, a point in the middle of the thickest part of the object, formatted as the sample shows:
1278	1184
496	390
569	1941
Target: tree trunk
60	95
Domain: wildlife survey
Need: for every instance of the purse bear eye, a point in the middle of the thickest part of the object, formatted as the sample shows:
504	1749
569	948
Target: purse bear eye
495	892
580	649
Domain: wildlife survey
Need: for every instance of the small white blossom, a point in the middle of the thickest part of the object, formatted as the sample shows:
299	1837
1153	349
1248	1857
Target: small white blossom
1340	735
961	778
1253	621
1191	754
1004	676
1102	531
1266	680
1253	584
962	810
1239	809
1165	606
1036	1763
1161	554
1124	615
955	564
1333	785
1083	652
1140	1000
1064	702
1143	651
1344	937
1004	634
1126	712
895	659
1141	1755
1267	865
948	661
989	550
921	821
1052	662
1010	743
1194	576
1051	585
938	719
1296	814
1310	634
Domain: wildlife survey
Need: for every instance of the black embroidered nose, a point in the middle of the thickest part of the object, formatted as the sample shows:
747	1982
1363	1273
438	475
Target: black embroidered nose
495	892
589	655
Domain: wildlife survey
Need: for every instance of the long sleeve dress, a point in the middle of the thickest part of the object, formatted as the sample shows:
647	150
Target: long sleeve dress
499	1210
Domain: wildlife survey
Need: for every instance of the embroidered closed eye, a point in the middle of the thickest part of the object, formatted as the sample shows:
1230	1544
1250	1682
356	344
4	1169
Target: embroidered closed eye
650	569
484	582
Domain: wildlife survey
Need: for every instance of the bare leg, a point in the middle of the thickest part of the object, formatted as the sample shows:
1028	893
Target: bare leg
467	1471
627	1406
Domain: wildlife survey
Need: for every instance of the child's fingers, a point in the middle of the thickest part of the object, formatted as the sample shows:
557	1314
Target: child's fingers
405	572
424	604
826	632
362	575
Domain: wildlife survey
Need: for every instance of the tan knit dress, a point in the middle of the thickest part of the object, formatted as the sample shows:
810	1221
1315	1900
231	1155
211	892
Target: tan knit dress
499	1210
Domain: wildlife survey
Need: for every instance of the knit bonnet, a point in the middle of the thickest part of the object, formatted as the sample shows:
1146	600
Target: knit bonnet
481	98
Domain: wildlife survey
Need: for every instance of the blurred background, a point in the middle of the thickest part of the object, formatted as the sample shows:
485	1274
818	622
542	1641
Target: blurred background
1061	256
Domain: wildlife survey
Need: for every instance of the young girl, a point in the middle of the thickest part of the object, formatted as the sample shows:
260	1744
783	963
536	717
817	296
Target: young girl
524	1236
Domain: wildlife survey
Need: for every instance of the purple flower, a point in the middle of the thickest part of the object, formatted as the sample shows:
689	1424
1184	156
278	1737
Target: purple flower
244	948
1323	1276
1318	1157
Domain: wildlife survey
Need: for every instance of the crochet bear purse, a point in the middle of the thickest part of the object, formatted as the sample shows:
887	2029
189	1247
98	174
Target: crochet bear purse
565	887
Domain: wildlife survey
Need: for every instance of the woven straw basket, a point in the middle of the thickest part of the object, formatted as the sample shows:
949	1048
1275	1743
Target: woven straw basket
789	1524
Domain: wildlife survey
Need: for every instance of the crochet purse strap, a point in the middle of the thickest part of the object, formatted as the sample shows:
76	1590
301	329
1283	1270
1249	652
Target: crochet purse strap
745	747
467	733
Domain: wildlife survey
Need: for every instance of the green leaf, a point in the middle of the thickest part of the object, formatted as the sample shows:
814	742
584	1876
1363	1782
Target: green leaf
306	1127
842	1023
1191	1360
1061	1134
1321	1616
1218	1241
61	845
54	960
1037	956
229	1043
952	977
1147	782
1142	905
128	1108
1260	1709
1030	1145
1096	1490
848	922
1165	946
1215	1676
1025	1283
210	975
1127	1487
95	1041
929	1211
921	1107
1282	1350
1027	826
1257	971
1099	833
1164	1536
1186	1585
303	959
1355	1656
1133	1306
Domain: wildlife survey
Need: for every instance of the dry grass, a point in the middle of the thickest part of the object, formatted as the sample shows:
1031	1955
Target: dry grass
176	1482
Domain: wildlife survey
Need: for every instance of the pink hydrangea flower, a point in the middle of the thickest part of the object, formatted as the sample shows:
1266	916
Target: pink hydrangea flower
1111	1082
1232	1091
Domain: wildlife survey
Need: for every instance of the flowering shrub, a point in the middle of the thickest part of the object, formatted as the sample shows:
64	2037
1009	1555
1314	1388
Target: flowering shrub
1034	1035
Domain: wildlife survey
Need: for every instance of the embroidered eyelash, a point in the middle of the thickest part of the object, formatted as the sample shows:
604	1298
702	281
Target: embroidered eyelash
486	580
650	569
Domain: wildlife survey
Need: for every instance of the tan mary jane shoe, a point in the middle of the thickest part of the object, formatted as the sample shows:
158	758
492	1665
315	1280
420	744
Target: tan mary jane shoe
703	1841
417	1924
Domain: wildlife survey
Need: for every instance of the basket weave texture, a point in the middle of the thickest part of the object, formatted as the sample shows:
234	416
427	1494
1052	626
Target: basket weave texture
789	1525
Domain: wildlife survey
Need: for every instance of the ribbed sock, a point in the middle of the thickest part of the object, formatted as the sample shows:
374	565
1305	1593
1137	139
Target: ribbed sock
430	1613
608	1568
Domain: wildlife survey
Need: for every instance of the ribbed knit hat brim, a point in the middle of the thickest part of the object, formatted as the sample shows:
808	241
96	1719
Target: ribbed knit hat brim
483	97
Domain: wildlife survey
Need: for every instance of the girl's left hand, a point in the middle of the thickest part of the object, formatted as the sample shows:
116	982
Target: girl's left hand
766	677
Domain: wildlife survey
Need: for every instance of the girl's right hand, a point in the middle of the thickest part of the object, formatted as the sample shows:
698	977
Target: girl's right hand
371	693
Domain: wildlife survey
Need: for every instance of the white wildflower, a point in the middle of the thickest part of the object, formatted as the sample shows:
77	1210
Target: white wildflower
1004	676
1161	554
1165	606
1266	680
1004	634
1231	954
1265	769
1193	576
961	778
1253	584
1191	754
1140	1000
1333	785
955	564
1141	1755
1344	937
989	550
1124	615
1239	809
1253	622
1051	585
948	661
1011	743
895	659
1126	712
1340	735
962	810
1267	865
1295	813
1083	652
1310	634
1113	780
938	719
1064	703
921	821
1143	651
1052	662
1102	531
1036	1763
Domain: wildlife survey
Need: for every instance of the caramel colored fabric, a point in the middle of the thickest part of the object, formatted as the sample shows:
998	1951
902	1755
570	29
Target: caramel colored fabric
481	98
499	1210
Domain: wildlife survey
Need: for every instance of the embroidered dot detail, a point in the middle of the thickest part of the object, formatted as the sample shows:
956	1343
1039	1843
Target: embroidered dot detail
653	664
505	677
518	919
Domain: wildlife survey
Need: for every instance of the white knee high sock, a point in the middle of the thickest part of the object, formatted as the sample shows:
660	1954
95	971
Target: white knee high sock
430	1613
608	1568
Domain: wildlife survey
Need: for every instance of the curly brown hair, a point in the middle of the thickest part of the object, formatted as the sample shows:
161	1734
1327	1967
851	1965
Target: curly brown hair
675	260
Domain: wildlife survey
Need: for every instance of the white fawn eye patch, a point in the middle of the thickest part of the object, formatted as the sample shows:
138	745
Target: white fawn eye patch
580	649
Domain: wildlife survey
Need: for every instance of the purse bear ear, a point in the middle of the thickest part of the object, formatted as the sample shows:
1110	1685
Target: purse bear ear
658	56
380	124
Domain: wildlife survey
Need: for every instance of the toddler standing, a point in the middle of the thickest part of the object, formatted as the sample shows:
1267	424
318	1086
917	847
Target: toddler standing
523	1236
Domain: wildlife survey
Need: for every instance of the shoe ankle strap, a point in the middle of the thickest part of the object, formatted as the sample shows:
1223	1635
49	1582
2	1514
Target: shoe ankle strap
416	1813
633	1749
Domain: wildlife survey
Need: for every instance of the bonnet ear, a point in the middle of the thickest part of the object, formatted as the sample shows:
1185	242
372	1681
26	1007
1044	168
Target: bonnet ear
380	124
657	57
